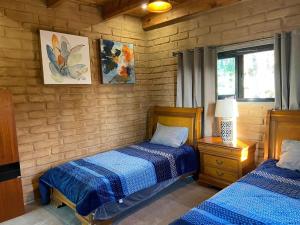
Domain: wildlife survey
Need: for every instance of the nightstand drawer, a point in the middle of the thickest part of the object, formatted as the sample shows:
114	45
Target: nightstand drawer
220	162
221	174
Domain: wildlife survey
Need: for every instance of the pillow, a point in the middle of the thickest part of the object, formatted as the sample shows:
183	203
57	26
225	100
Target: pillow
290	155
170	136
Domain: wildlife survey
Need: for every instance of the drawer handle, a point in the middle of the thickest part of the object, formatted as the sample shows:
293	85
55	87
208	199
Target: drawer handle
220	174
219	162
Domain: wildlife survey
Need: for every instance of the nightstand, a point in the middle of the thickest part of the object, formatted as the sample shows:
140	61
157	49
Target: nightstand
222	164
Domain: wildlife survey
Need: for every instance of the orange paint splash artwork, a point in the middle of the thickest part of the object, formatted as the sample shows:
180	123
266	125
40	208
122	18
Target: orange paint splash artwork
117	62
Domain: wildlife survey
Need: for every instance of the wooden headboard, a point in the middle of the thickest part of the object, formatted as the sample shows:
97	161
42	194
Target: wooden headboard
180	117
280	125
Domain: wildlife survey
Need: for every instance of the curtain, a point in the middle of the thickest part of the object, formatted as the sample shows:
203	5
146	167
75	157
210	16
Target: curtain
287	70
189	79
196	74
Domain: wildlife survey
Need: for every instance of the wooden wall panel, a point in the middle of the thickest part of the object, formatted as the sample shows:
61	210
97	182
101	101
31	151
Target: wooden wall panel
11	199
8	139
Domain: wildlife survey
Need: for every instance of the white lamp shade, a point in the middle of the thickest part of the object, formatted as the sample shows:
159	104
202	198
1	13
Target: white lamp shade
226	108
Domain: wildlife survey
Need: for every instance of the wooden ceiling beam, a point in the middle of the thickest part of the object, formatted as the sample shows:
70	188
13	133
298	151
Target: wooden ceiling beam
119	7
182	11
54	3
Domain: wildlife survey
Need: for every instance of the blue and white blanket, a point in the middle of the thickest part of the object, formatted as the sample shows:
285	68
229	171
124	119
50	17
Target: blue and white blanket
268	195
110	176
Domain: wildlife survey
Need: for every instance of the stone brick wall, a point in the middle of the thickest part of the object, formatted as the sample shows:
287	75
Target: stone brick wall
249	20
59	123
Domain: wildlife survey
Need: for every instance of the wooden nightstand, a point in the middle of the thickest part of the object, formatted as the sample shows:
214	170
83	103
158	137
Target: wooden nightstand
222	164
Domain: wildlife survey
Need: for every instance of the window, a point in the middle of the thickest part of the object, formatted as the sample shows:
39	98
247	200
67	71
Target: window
247	74
226	76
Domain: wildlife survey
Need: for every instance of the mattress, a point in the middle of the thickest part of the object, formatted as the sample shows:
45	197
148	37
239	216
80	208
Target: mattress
267	195
113	176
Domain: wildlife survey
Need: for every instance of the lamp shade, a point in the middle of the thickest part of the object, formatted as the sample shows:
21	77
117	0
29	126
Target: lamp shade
226	108
159	6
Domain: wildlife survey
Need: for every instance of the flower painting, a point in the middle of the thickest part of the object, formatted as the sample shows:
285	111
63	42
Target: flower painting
117	62
66	58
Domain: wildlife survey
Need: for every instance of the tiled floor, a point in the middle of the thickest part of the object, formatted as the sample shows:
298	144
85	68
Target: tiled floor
161	210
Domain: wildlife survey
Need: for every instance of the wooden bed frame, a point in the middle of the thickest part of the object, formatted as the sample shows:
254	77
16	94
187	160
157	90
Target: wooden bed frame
183	117
280	125
177	117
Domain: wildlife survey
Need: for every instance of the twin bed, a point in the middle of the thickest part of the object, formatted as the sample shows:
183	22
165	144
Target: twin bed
267	195
102	186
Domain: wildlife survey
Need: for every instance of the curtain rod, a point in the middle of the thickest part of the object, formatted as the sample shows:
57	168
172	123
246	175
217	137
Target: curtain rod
190	50
225	46
180	52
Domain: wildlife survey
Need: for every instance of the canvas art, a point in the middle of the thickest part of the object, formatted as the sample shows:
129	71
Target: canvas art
65	58
117	62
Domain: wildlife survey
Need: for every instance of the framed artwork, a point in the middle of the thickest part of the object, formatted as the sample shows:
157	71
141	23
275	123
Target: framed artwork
65	58
117	62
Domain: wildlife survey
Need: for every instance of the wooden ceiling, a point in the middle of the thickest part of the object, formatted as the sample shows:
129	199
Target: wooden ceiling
181	9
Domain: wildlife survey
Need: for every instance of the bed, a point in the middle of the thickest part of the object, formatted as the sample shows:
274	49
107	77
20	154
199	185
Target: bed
104	185
267	195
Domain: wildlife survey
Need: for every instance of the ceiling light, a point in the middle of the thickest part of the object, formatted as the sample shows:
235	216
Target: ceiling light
159	6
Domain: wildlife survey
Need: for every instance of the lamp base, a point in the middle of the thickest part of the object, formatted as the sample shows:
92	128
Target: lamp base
227	127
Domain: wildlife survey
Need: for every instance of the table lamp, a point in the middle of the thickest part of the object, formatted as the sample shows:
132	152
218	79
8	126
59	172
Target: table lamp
227	110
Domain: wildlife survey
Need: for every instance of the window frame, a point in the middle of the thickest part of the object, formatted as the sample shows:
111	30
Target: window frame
239	72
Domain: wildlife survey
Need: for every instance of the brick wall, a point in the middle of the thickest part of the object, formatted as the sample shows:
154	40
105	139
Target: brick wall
249	20
59	123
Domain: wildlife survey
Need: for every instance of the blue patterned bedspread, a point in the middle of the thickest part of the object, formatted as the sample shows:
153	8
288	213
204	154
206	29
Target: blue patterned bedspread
267	195
110	176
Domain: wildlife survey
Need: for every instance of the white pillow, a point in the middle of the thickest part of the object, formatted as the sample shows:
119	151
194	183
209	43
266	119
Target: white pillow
170	136
290	155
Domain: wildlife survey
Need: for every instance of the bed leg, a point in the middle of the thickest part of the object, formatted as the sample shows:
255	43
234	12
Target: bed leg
84	220
57	204
88	220
59	200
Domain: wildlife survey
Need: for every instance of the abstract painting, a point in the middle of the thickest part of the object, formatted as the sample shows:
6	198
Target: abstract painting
117	61
65	58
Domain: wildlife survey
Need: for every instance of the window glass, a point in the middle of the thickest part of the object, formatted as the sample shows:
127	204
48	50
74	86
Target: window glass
226	70
247	73
259	75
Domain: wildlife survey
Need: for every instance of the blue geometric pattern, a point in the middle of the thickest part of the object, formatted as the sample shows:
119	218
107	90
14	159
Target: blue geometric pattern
276	178
162	167
268	195
266	179
168	156
225	214
197	216
128	170
110	176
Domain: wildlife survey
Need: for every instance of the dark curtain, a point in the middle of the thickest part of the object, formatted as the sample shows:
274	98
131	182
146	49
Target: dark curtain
196	74
287	70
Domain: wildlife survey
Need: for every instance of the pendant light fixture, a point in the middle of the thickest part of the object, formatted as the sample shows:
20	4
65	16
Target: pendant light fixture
159	6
